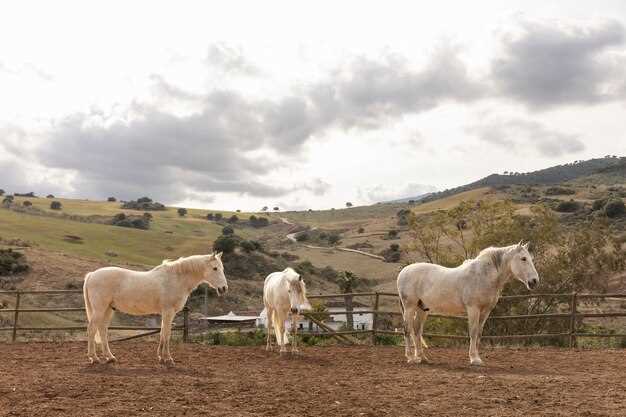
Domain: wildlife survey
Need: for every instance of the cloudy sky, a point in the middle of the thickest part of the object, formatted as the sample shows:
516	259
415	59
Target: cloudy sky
302	105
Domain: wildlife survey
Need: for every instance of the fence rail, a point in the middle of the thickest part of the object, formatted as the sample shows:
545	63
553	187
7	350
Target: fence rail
573	299
573	315
15	328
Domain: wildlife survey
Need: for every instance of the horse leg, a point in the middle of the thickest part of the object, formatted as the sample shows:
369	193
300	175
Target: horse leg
270	318
421	317
473	320
104	335
279	330
166	327
92	329
294	331
409	334
484	315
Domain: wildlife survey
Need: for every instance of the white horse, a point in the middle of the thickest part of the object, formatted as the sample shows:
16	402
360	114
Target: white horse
283	293
472	288
162	290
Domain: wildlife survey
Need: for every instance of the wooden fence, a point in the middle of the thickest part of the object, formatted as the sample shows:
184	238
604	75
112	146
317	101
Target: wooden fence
573	316
18	309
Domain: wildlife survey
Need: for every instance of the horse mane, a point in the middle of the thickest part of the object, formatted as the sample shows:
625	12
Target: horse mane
493	254
185	265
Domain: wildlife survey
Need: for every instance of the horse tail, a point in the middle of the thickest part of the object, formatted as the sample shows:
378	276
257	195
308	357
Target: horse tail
88	308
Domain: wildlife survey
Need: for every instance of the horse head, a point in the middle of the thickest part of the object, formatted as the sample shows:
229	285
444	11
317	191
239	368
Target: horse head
214	273
522	266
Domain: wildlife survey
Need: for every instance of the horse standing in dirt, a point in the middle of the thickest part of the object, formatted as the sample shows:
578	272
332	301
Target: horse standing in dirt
162	290
472	288
283	293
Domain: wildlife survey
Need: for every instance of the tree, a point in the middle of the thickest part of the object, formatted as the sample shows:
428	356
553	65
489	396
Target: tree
50	196
276	208
209	216
182	212
333	238
226	244
392	234
614	208
8	200
111	199
218	217
228	231
238	211
348	204
56	205
347	282
1	192
265	208
27	203
233	219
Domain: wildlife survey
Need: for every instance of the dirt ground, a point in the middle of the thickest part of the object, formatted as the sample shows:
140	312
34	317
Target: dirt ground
48	379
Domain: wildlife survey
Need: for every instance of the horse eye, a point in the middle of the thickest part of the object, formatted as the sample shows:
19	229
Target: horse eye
524	259
215	268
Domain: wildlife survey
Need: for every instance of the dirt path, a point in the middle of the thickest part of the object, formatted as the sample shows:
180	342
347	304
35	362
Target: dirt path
46	379
292	237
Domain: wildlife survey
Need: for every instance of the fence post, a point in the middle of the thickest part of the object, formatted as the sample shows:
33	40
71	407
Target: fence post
16	315
375	319
572	320
349	315
185	324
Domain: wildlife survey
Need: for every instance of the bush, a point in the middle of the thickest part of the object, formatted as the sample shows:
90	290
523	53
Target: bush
302	237
50	196
8	200
143	204
258	221
111	199
598	204
226	244
233	219
333	238
218	217
560	191
55	205
147	216
27	203
361	230
210	216
122	220
12	262
250	245
394	247
614	208
392	234
228	231
567	206
182	212
1	192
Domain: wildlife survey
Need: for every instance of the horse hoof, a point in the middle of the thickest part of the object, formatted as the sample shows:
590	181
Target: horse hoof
476	362
112	359
423	360
169	363
93	361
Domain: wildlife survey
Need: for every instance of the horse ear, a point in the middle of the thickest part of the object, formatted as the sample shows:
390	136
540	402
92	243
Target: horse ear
525	245
219	255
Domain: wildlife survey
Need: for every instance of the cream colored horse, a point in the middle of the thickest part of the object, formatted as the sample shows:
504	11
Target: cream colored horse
162	290
472	288
283	293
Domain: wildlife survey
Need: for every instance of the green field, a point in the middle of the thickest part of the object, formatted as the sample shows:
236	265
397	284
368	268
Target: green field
170	235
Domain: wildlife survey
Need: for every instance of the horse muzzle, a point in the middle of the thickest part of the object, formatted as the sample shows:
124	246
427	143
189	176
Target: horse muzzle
222	290
294	311
533	283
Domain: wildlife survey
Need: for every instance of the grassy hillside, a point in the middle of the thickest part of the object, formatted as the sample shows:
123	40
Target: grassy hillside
169	236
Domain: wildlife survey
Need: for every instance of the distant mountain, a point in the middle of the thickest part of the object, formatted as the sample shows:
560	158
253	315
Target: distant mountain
553	175
407	199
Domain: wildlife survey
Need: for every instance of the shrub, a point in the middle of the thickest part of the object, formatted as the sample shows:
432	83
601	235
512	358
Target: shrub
233	219
560	191
250	245
361	230
143	204
1	192
8	200
614	208
182	212
218	217
111	199
302	237
394	247
55	205
392	234
598	204
333	238
12	262
122	220
226	244
258	221
210	216
228	231
27	203
567	206
50	196
30	194
147	216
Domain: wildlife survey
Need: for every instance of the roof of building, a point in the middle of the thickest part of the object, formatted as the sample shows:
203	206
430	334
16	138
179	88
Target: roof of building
230	317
